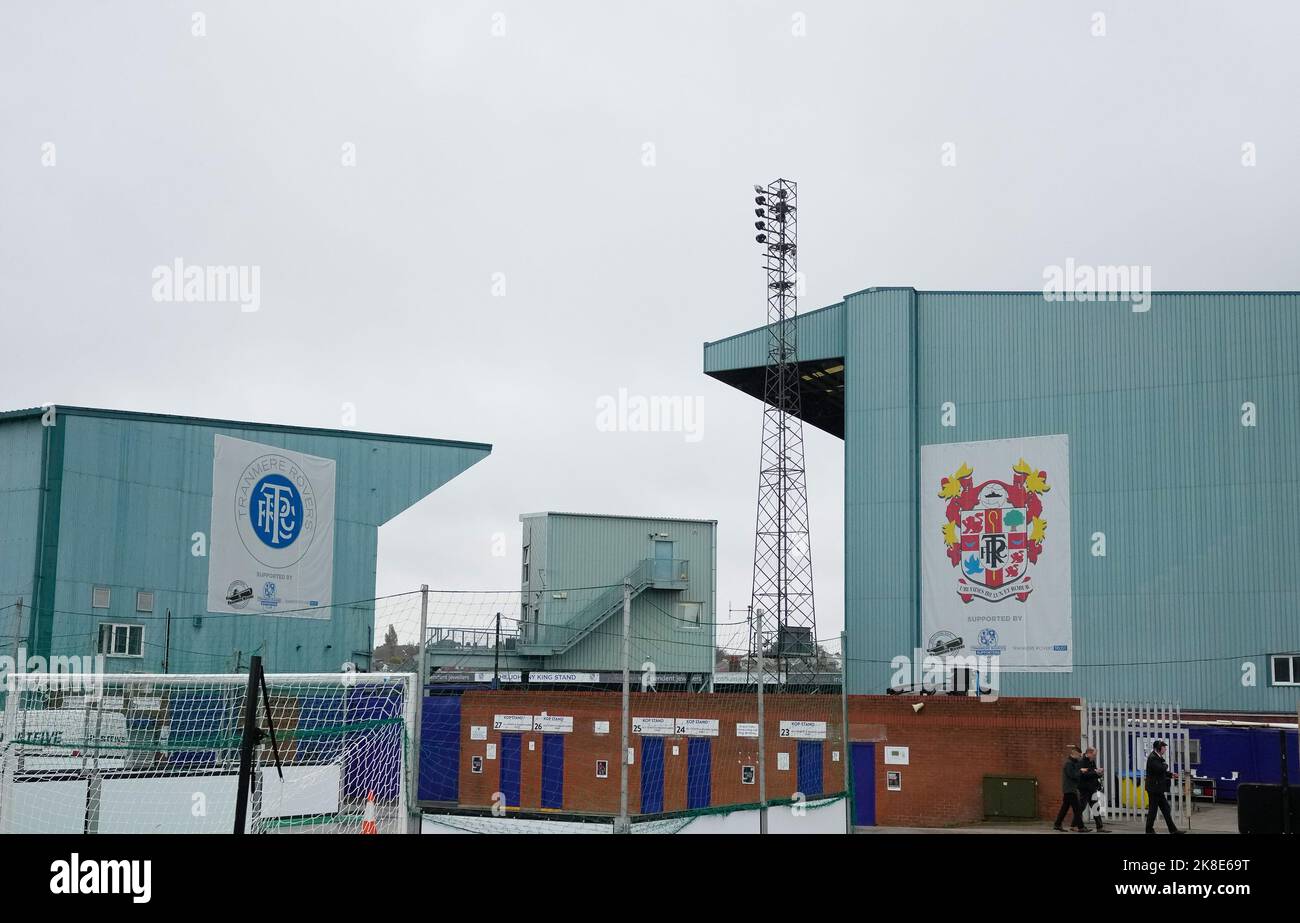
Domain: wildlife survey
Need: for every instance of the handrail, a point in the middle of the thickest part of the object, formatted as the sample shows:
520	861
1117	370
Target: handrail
557	637
670	573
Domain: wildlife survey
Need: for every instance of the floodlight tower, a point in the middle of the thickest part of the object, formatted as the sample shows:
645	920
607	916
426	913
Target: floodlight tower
783	580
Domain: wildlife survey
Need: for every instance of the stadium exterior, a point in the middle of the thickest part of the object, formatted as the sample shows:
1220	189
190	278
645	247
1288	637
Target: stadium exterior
108	520
1181	414
568	628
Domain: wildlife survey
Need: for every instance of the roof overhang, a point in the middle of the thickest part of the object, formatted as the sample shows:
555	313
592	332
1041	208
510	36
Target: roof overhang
821	390
741	361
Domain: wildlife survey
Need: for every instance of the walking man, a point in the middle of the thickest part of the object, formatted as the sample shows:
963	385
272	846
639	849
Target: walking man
1070	793
1091	785
1157	783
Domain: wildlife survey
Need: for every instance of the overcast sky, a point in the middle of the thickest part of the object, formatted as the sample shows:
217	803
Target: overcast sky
550	201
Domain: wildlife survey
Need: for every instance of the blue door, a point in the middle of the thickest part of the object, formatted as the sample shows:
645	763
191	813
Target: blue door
553	771
864	785
440	748
663	561
699	772
652	775
511	748
810	768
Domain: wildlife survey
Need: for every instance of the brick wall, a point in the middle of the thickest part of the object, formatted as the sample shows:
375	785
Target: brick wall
953	743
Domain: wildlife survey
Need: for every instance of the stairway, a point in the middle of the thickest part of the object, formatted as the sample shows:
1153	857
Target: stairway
649	574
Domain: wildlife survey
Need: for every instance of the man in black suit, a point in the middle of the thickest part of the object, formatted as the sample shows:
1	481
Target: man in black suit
1070	793
1091	783
1157	783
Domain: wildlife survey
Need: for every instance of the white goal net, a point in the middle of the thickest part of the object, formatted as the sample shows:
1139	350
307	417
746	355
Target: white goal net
152	753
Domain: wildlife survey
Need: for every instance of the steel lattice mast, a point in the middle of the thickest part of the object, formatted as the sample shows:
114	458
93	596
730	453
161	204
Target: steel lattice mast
783	580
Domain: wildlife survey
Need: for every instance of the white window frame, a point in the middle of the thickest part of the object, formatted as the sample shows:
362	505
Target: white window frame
113	628
94	597
681	622
1272	669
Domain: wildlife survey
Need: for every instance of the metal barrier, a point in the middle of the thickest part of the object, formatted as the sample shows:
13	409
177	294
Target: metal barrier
1123	734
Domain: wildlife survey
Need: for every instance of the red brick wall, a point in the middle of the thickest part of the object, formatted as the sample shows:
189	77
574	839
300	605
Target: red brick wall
953	743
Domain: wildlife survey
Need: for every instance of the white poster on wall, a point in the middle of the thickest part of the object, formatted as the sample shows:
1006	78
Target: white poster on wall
803	730
995	552
271	543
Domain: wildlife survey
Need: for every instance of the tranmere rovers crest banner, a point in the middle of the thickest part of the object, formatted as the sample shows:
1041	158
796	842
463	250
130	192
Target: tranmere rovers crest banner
271	545
995	552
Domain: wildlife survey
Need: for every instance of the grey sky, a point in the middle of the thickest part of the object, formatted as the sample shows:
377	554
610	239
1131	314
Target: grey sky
523	154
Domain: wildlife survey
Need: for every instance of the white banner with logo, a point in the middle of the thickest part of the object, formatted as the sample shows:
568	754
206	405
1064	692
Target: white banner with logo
271	544
995	552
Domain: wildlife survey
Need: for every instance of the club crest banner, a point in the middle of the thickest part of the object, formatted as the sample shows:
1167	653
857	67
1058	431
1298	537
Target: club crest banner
995	552
271	544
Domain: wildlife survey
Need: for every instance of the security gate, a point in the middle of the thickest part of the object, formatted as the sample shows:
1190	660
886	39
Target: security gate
1123	735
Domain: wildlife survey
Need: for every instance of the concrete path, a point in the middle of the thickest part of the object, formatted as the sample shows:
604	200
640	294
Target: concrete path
1206	818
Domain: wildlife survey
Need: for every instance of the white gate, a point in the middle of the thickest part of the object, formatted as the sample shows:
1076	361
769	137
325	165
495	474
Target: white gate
1123	735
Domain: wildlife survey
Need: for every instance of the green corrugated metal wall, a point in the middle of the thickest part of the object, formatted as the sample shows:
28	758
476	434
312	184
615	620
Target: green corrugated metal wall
821	336
1198	578
21	444
135	489
579	551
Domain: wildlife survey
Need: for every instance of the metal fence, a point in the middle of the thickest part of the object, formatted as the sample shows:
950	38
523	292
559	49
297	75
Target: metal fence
1123	734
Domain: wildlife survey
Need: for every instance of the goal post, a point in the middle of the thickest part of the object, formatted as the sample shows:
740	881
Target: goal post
142	753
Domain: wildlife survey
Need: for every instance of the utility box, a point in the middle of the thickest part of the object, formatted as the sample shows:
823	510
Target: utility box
1010	797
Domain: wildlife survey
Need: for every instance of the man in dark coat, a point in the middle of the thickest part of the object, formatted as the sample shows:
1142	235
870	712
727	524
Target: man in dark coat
1157	783
1070	793
1090	787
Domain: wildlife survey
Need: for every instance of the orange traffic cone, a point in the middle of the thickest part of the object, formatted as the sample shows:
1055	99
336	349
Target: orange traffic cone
368	822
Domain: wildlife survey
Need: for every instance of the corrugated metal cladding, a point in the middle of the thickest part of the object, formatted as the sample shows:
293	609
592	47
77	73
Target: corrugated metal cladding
821	336
113	499
581	556
1199	577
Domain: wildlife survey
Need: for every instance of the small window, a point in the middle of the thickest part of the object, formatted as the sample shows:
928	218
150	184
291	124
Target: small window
689	615
144	601
100	597
525	574
1286	669
121	640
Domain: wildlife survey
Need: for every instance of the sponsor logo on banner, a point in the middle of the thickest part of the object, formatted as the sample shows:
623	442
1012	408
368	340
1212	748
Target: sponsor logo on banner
995	554
742	679
238	594
272	532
